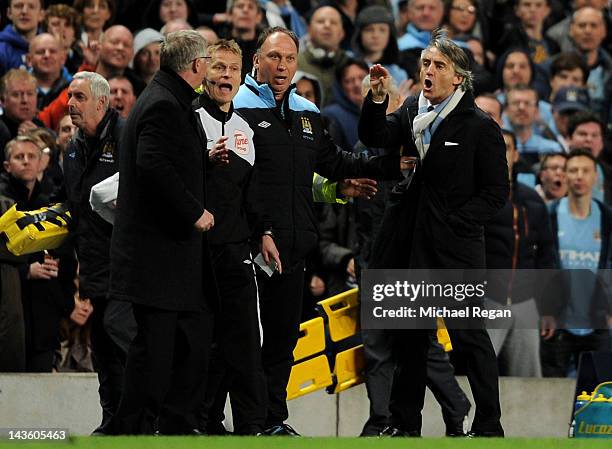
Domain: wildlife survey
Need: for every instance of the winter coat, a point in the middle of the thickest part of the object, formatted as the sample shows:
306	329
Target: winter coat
158	258
459	186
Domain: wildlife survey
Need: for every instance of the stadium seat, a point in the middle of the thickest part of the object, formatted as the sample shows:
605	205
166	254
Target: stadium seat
309	376
312	339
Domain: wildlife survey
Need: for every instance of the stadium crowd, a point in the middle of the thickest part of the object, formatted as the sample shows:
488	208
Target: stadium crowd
80	91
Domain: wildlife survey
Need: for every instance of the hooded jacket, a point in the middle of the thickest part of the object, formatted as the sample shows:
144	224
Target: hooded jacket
323	65
13	48
343	118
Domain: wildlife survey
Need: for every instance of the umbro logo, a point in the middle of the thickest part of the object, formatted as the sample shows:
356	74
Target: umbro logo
264	124
72	155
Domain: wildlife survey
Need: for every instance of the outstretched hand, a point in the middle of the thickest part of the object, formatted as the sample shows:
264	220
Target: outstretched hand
358	188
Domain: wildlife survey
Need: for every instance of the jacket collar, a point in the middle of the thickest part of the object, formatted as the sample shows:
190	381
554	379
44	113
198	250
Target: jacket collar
264	91
210	106
17	191
465	105
104	127
175	84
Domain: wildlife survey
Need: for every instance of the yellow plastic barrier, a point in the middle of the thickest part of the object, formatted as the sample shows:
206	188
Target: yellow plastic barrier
443	336
349	368
342	312
309	376
312	339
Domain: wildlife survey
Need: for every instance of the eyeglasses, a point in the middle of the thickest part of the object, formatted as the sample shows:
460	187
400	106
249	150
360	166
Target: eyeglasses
469	9
200	57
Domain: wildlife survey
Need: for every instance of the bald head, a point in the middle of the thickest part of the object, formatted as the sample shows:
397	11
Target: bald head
117	48
588	29
325	28
46	56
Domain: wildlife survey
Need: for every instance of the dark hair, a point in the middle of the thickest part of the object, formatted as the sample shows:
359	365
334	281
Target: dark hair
507	132
346	64
582	117
569	61
577	152
522	87
493	97
121	78
63	12
548	156
373	15
79	5
448	4
501	62
265	34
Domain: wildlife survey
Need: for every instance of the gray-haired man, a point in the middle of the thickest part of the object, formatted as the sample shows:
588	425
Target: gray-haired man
461	182
160	259
92	157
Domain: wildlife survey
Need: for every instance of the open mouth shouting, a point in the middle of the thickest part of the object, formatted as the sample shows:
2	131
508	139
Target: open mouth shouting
225	88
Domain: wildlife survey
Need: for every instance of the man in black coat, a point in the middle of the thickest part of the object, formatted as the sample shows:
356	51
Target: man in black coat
160	259
460	183
519	241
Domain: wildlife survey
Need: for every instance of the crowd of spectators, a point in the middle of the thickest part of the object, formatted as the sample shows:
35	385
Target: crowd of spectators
543	71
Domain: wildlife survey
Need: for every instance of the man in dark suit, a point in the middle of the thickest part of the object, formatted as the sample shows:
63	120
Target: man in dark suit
160	260
461	182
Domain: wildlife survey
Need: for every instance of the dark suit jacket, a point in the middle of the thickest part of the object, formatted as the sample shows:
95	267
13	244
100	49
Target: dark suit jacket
158	259
458	187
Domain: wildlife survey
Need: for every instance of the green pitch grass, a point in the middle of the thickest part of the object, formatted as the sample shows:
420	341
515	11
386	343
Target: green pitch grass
307	443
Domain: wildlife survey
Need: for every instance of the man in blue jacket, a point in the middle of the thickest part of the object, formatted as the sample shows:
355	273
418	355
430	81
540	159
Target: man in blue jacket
291	144
26	16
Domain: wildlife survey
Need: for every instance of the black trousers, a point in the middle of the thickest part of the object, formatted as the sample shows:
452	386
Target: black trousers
166	372
108	354
280	299
556	353
380	367
408	391
235	364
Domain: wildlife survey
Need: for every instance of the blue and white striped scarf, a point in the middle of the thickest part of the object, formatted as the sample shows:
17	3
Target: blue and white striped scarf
426	122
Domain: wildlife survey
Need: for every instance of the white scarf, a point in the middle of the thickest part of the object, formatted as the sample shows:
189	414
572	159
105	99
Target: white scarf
422	121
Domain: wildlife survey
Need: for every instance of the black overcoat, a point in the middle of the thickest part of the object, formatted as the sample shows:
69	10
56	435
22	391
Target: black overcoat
458	187
158	259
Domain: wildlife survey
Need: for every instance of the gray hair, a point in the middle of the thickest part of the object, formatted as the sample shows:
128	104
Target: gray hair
180	48
454	53
97	85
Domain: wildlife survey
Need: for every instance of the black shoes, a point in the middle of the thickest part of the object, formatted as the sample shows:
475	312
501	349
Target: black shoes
481	434
455	428
394	432
281	430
